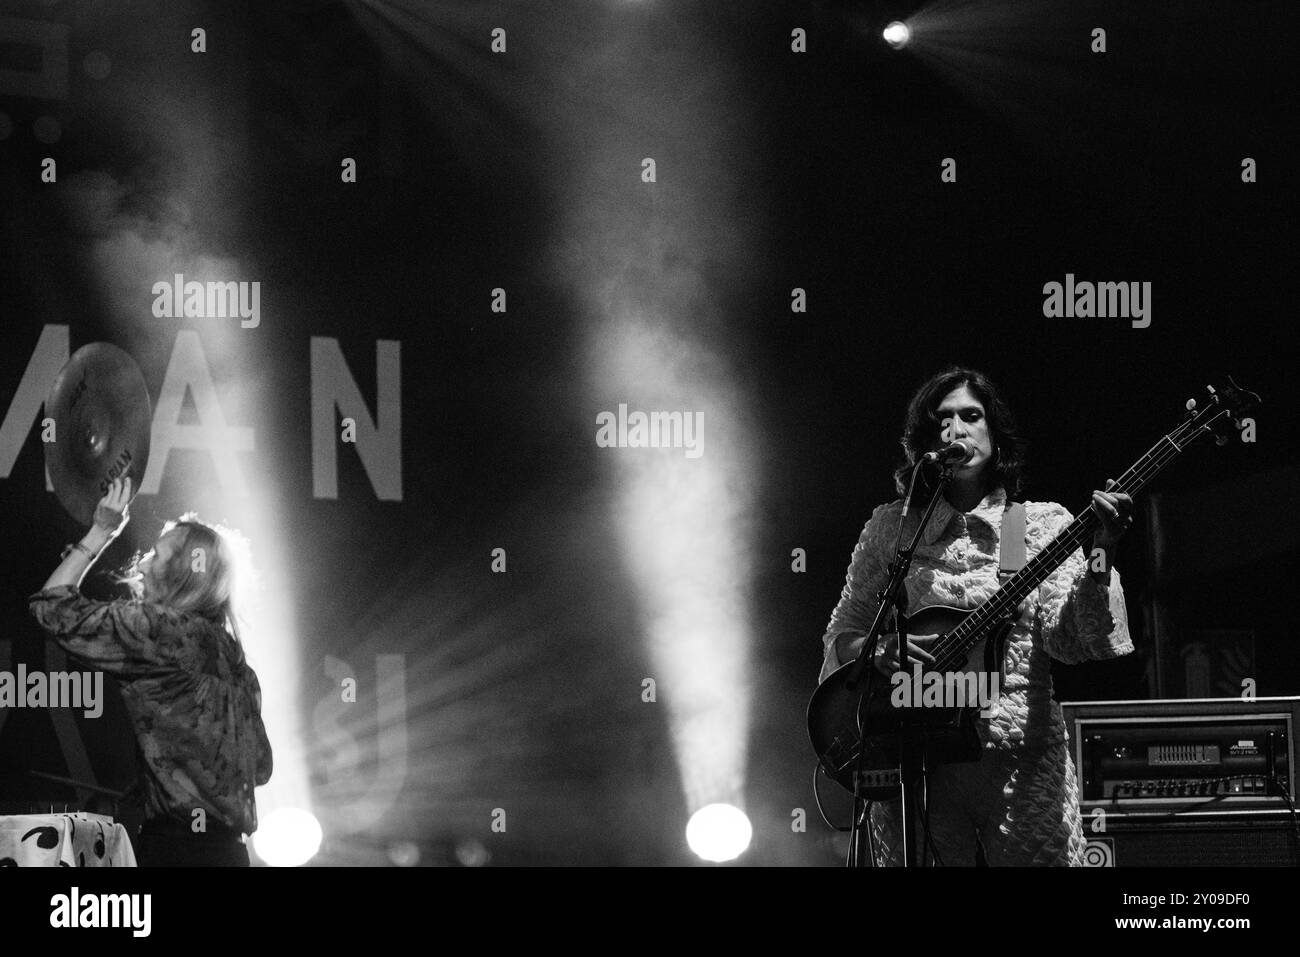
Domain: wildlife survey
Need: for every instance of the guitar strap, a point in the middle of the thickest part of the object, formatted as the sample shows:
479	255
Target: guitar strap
1011	547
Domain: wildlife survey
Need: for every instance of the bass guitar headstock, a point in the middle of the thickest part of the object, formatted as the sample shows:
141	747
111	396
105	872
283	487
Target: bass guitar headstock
1220	415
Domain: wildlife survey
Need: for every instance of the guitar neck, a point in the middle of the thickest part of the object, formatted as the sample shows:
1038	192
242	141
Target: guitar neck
1002	605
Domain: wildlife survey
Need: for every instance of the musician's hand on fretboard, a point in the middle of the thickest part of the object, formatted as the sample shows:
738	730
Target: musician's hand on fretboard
1115	509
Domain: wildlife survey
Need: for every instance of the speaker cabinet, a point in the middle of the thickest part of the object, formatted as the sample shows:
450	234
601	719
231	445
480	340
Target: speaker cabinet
1247	839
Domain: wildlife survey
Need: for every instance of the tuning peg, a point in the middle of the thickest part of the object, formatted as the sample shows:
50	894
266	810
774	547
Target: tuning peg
1191	405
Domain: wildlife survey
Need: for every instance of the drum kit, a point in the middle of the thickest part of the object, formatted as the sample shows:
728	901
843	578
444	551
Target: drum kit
102	421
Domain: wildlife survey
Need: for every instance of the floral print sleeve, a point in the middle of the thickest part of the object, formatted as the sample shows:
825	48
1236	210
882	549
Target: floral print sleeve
123	638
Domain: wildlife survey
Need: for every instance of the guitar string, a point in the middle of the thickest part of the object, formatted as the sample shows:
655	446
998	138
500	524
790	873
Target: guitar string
1165	450
1046	561
1059	549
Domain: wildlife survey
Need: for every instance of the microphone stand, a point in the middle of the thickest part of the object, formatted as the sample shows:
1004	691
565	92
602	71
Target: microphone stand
911	744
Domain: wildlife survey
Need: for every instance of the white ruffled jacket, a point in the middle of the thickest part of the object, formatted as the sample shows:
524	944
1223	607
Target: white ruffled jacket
1070	617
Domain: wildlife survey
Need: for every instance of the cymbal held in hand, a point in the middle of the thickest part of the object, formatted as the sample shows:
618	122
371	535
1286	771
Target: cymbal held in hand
102	421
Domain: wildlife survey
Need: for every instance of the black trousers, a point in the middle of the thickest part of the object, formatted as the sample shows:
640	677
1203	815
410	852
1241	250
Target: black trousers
167	843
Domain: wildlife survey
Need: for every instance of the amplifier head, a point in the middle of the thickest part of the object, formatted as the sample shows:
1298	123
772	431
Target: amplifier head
1184	757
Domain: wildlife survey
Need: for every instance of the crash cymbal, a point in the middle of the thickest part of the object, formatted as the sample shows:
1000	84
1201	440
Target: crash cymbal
102	420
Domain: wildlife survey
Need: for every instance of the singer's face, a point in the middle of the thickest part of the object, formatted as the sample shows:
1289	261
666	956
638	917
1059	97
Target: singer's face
961	416
154	565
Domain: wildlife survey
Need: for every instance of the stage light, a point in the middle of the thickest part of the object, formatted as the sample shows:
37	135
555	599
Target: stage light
719	832
404	853
472	853
897	34
287	838
656	266
686	525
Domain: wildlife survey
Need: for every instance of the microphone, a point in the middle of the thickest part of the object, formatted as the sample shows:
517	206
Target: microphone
954	453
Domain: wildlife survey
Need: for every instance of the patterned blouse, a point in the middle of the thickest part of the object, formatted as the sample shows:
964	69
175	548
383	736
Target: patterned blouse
194	702
1070	618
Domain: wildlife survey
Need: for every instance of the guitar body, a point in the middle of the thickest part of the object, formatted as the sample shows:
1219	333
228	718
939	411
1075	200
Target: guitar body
948	734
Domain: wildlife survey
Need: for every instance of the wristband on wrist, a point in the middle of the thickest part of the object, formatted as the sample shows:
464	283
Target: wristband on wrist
77	546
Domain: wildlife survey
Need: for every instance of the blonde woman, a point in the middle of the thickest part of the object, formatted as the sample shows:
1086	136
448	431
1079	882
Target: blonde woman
194	702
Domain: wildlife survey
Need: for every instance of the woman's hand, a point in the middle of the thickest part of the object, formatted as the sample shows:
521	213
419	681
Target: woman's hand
110	518
918	651
1116	514
112	513
886	657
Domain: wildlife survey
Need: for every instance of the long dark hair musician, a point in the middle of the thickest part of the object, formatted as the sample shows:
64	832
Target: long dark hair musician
1019	802
194	702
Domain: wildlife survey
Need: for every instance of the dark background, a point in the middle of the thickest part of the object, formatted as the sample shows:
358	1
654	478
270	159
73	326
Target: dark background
524	688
